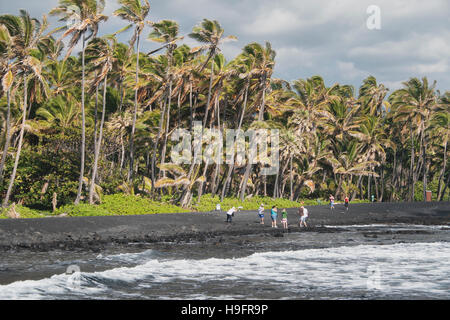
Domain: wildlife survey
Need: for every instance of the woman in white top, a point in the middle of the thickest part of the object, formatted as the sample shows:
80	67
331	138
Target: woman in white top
303	217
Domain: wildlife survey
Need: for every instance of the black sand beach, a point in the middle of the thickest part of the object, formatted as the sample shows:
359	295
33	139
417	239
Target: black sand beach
94	233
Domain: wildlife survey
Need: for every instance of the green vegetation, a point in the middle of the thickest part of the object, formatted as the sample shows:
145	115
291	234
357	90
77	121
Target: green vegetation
90	133
120	204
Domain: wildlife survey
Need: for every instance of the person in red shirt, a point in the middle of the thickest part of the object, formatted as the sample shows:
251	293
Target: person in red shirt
346	201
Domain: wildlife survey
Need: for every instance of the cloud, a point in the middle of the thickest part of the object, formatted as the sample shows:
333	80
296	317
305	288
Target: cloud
313	37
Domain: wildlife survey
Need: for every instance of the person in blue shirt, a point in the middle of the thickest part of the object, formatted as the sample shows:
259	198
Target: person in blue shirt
273	215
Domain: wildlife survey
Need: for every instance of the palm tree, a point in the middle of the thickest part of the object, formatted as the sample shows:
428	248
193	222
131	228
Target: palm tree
413	105
211	34
374	139
166	32
441	121
101	51
58	113
27	35
88	16
136	12
263	59
371	95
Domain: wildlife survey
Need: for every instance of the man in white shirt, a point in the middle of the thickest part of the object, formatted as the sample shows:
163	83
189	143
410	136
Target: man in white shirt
230	214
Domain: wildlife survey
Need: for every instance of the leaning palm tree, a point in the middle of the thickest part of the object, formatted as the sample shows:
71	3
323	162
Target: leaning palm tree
101	51
27	35
87	15
136	12
211	34
166	32
264	61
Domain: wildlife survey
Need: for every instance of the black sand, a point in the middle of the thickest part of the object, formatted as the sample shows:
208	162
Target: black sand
94	233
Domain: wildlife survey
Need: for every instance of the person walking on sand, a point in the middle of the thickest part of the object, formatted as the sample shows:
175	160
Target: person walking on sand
273	215
331	202
230	214
303	217
300	214
261	213
346	201
284	219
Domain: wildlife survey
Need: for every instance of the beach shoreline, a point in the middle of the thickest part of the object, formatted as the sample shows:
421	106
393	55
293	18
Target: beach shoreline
95	233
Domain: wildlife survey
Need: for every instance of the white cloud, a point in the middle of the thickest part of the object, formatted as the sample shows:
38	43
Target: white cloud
273	22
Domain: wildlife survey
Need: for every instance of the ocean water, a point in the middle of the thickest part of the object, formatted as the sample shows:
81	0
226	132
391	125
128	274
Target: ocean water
419	270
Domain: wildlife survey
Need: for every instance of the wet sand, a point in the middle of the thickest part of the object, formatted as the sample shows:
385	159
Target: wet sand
97	233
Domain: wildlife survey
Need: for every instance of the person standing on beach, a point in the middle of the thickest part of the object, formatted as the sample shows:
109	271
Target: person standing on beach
261	213
284	219
273	215
331	202
304	216
230	214
346	201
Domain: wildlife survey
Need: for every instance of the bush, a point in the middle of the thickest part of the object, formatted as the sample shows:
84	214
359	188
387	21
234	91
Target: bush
120	204
24	212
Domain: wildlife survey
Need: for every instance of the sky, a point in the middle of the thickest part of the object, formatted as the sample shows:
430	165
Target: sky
330	38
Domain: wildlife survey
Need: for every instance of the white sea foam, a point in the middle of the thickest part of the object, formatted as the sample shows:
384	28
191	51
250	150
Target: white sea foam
399	270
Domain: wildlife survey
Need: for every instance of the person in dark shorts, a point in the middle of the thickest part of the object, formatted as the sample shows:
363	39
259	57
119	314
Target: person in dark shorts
230	214
261	213
346	201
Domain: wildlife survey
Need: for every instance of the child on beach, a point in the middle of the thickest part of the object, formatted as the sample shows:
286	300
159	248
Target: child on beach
273	215
284	219
331	202
261	213
346	200
303	217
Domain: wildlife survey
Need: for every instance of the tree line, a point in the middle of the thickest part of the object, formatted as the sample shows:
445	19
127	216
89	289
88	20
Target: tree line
75	127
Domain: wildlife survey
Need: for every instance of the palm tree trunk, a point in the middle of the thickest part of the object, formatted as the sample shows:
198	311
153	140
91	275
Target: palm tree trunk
98	145
231	166
209	89
261	108
425	166
445	188
133	127
191	123
155	145
95	116
121	92
166	130
19	148
291	197
7	134
412	176
83	123
441	176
